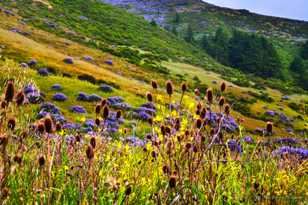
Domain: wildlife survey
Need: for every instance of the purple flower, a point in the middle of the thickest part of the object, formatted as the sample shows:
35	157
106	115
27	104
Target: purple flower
105	88
59	97
68	60
248	140
234	146
115	99
88	58
270	113
43	72
30	88
71	126
286	140
78	109
94	98
82	97
301	152
56	87
32	62
109	62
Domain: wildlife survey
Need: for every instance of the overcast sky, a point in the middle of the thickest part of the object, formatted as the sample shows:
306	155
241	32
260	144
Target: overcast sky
294	9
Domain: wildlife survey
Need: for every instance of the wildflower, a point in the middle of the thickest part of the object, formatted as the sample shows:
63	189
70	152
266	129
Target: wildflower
20	98
59	97
223	87
9	91
11	123
154	84
169	88
90	152
172	181
209	95
78	109
149	97
184	87
105	112
78	138
98	109
48	125
41	161
93	142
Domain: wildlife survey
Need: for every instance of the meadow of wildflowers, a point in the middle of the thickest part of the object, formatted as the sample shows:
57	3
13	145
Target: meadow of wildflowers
191	151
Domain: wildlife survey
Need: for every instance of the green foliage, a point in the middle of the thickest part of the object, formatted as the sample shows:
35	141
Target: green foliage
189	36
304	51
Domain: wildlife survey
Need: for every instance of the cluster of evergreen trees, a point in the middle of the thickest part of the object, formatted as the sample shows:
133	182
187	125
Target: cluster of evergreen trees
250	53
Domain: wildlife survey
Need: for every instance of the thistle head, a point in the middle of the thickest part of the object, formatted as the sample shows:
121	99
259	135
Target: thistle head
169	88
184	87
105	112
48	125
90	152
223	87
20	98
209	95
154	84
149	96
9	91
11	123
98	109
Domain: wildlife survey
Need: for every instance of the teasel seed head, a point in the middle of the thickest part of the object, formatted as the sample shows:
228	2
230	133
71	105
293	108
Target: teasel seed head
3	104
150	120
20	98
3	140
163	130
97	122
103	102
98	109
227	109
169	88
119	114
203	113
198	123
221	101
154	84
149	96
223	87
93	142
41	161
269	127
48	125
172	181
209	95
11	123
197	92
58	127
78	138
184	87
166	169
128	190
41	128
90	152
9	91
105	112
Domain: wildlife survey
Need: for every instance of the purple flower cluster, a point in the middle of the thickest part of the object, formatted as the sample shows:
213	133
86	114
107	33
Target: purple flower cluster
32	94
286	140
56	87
248	140
52	110
88	98
78	109
43	72
59	97
32	62
134	141
229	124
68	60
105	88
300	152
234	146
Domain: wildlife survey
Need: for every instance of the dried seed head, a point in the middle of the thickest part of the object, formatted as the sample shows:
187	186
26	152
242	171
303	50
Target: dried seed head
119	114
184	87
172	181
198	123
166	169
168	130
98	109
97	122
93	142
128	190
203	113
177	125
221	101
103	102
90	152
78	138
154	154
223	87
3	104
9	91
58	127
186	133
163	130
269	127
48	125
149	97
199	106
11	123
227	109
154	84
188	146
41	161
17	159
3	140
41	128
105	112
5	193
169	88
20	98
209	95
150	120
197	92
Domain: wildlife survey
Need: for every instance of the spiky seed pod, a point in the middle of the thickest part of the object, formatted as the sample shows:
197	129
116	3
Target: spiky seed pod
169	88
188	146
3	140
199	106
78	138
209	95
93	142
20	98
58	127
149	137
149	96
103	102
119	114
90	152
97	122
168	130
223	87
203	113
227	109
154	154
177	125
198	112
9	91
17	159
105	112
11	123
197	92
184	87
198	123
212	132
98	109
166	169
48	125
186	133
154	84
195	149
172	181
269	127
3	104
221	101
41	128
150	120
128	190
163	130
41	161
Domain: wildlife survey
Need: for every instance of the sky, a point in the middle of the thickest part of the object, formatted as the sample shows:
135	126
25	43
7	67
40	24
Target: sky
294	9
